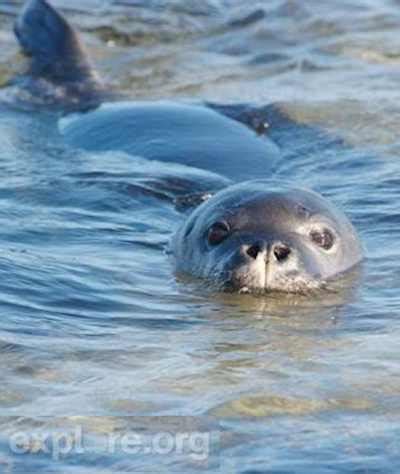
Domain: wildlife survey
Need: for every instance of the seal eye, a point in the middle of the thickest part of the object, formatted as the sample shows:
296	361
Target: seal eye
324	238
217	233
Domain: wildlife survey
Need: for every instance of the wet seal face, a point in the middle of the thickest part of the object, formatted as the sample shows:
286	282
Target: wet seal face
249	238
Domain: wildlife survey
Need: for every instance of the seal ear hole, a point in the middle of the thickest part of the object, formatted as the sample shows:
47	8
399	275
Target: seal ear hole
303	211
323	238
217	233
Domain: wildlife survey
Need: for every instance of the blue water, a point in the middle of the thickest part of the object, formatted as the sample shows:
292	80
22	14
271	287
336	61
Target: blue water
95	328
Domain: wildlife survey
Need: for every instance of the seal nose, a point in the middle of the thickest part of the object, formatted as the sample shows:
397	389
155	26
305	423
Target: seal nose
281	252
255	249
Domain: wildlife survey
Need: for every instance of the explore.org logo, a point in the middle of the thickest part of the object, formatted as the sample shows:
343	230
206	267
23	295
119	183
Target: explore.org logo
184	444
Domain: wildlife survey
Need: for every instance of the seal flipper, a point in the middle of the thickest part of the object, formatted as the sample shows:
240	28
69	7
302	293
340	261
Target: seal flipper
55	53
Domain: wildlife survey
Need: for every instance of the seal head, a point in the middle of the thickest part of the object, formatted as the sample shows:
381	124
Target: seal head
250	238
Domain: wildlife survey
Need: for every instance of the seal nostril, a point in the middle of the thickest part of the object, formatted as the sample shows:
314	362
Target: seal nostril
254	250
281	252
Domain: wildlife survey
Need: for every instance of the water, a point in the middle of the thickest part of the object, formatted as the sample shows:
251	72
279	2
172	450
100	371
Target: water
96	329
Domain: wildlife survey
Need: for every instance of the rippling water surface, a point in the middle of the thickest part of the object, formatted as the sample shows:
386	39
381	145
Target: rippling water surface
95	328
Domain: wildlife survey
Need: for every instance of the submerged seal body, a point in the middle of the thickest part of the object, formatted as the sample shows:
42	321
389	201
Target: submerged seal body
253	239
194	135
248	237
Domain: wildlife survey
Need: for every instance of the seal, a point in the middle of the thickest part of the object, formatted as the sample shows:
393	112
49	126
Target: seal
248	237
252	238
60	72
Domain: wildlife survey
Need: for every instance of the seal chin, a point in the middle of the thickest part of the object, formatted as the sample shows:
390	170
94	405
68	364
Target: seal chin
247	280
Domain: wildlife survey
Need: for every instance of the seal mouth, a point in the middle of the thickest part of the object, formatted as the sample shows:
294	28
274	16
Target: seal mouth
268	266
294	283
